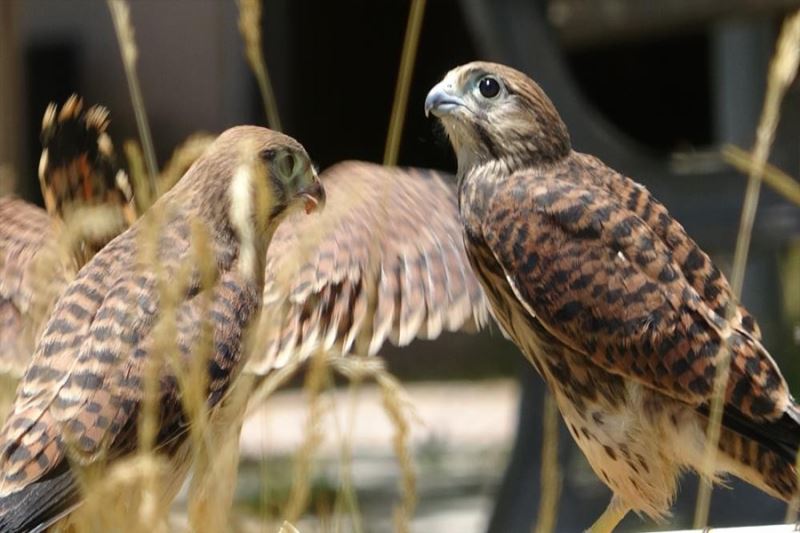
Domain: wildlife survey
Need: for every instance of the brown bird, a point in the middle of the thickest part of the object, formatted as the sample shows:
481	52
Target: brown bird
89	201
385	260
616	306
79	401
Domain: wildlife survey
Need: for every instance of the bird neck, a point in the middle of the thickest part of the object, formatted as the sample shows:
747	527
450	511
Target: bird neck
477	182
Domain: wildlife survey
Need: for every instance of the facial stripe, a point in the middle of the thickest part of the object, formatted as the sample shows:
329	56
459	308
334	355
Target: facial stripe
486	140
242	218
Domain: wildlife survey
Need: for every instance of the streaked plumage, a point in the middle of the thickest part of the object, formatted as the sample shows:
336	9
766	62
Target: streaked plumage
616	306
384	260
41	253
81	393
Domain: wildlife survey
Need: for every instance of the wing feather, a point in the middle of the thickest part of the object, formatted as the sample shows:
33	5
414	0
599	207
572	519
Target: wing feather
384	260
84	385
603	281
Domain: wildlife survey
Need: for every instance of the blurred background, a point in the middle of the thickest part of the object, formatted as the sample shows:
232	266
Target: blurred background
652	88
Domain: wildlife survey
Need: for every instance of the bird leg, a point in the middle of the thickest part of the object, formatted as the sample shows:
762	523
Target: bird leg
610	518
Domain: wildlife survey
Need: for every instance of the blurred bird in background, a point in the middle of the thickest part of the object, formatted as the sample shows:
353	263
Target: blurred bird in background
80	400
622	314
89	201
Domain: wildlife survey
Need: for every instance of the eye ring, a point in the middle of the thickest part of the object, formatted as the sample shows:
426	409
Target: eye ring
287	164
489	87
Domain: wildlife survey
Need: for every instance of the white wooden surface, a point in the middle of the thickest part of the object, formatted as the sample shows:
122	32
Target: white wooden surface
785	528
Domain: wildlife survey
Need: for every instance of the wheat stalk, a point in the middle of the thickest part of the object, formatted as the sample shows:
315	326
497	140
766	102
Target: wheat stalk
781	73
121	17
778	180
250	28
407	58
550	476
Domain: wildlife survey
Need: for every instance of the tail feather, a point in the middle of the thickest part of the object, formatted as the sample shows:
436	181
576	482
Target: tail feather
40	504
781	436
763	453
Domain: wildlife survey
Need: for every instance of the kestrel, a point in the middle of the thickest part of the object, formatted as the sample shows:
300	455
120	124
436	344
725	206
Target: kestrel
79	399
615	305
40	252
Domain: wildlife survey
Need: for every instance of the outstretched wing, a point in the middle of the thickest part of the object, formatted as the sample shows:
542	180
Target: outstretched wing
601	280
385	259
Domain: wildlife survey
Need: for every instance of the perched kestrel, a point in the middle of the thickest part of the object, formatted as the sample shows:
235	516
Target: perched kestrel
41	253
79	399
618	309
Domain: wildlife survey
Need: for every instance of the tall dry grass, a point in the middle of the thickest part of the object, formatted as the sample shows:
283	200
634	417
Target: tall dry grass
782	71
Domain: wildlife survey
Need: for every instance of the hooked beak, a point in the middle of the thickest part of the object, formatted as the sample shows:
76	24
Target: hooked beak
440	101
314	196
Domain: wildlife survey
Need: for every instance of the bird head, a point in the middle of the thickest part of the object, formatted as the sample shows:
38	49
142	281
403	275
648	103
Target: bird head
493	112
248	180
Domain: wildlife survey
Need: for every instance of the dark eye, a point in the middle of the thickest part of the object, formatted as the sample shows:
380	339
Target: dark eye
267	154
489	87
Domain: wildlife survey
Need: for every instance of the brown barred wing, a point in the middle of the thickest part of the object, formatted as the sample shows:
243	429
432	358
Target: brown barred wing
698	269
83	388
600	280
384	260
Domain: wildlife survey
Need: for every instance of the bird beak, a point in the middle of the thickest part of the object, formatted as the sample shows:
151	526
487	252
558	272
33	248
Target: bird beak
440	101
314	196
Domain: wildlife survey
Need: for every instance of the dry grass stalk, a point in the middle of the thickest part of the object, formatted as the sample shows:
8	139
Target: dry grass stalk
392	402
119	497
286	527
316	379
400	104
132	494
346	498
550	476
121	17
164	349
399	409
778	180
215	439
782	71
142	194
269	384
250	28
216	460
